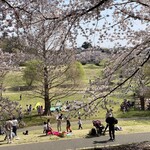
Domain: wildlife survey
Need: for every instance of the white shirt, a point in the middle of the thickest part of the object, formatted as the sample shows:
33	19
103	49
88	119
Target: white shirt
15	122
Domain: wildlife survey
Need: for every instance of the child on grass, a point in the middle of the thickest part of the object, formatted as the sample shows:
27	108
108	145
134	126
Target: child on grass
68	125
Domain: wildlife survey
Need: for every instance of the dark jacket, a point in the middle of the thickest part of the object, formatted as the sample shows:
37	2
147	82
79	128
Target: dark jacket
111	121
68	123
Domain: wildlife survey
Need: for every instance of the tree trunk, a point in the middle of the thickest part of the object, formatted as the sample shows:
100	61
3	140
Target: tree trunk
46	93
47	106
1	90
142	102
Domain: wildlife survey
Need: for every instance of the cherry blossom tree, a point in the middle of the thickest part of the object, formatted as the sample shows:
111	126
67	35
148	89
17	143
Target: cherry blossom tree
46	40
8	108
141	85
61	22
6	64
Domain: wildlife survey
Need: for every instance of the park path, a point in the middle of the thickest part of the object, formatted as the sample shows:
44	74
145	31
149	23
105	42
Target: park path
74	144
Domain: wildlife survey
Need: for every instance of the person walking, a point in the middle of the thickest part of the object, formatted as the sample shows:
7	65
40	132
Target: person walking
79	123
111	121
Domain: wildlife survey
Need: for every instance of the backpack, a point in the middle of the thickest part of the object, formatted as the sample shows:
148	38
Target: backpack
115	121
8	126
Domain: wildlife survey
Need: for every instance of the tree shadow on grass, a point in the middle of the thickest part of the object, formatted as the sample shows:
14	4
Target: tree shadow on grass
92	136
42	135
21	88
2	142
100	142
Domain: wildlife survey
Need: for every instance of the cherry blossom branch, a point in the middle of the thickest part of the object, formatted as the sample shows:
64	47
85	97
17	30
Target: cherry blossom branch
122	83
138	1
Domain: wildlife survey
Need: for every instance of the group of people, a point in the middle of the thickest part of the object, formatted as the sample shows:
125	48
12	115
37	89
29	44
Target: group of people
126	105
11	126
40	110
10	129
29	109
110	124
47	128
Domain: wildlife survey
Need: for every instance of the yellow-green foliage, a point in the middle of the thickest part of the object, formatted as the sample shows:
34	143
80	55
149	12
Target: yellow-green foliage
75	71
30	72
13	79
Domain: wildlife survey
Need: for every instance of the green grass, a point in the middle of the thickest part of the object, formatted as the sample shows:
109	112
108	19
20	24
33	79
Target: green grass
134	113
26	98
91	71
138	120
14	80
36	135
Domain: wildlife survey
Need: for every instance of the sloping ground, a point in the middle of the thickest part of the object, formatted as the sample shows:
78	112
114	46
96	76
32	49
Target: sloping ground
135	146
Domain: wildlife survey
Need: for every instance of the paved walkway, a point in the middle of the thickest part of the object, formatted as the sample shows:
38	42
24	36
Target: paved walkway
74	144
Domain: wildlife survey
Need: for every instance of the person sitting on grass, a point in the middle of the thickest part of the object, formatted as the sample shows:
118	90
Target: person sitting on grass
44	127
49	128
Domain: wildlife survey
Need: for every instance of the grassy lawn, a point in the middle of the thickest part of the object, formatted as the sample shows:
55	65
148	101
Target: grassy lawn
36	135
92	71
14	80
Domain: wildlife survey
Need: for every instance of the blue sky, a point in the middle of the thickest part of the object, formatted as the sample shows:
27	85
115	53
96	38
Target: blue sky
137	26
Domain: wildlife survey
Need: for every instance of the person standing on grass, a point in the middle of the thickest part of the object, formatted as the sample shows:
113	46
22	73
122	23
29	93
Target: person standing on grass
68	125
79	123
30	109
15	125
107	115
20	97
8	129
59	120
111	124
